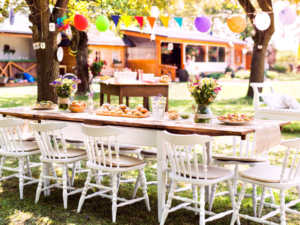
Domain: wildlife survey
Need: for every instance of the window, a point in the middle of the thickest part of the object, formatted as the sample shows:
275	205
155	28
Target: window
196	53
115	55
97	55
216	54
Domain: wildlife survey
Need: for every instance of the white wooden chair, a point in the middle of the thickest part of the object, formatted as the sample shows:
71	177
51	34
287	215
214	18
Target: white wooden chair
189	171
12	145
243	156
51	153
112	162
266	112
276	177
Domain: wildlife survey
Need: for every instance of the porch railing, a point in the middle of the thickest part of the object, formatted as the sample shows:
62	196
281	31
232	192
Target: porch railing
167	70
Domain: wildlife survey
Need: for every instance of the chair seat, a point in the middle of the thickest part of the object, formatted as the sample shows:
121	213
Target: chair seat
266	173
213	172
240	159
149	152
27	146
71	153
124	161
28	138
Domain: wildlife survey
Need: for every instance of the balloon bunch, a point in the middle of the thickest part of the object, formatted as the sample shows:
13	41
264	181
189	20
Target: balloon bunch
63	23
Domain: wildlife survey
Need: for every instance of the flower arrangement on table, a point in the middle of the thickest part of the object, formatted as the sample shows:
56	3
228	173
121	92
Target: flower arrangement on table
64	88
204	91
97	66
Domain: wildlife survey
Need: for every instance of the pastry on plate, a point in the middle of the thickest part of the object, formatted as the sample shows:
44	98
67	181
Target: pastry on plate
139	107
137	113
106	105
144	110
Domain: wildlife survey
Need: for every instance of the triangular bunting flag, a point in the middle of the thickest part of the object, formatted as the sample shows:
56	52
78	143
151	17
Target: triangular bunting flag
178	20
127	20
140	20
115	19
165	20
151	21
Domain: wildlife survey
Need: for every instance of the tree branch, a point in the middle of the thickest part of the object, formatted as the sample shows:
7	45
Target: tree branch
249	8
60	11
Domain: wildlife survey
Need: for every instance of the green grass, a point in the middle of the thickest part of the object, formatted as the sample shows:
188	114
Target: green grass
97	210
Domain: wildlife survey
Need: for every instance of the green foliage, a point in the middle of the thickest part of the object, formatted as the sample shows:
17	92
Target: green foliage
285	57
271	74
242	74
97	66
215	75
280	68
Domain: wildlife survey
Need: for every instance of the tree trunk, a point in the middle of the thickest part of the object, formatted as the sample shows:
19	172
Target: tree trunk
47	64
79	44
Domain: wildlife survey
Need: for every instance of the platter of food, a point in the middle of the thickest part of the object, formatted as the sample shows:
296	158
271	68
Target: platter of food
43	105
236	119
122	111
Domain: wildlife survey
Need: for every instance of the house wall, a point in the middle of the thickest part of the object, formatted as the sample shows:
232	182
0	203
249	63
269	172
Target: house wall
22	45
68	60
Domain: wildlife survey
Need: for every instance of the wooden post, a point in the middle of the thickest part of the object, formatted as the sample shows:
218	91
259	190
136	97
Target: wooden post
182	56
158	57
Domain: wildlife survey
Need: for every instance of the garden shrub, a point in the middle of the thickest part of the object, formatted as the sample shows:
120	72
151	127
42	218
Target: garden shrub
280	68
242	74
214	75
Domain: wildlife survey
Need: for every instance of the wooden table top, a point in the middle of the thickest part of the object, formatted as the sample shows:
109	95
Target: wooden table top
137	83
178	126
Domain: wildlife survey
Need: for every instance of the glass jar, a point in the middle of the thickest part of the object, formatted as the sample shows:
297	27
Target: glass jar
63	103
203	114
158	108
91	105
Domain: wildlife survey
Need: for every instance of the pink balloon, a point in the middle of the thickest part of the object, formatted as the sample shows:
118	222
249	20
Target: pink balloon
287	16
202	23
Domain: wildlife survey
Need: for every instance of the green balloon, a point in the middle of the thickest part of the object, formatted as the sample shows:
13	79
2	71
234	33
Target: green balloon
102	23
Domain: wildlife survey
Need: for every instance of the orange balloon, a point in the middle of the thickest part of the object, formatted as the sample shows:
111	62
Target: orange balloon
236	23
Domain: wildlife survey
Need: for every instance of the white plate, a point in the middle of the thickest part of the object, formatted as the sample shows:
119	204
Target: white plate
58	38
236	122
43	108
60	54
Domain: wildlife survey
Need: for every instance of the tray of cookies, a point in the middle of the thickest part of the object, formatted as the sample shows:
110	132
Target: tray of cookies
236	118
122	111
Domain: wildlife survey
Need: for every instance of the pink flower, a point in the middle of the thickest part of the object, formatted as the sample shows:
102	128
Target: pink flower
217	89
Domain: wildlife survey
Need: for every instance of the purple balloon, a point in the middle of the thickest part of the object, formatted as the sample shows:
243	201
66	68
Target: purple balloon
202	23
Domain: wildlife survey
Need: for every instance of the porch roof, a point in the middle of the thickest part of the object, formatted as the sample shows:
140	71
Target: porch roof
181	34
20	26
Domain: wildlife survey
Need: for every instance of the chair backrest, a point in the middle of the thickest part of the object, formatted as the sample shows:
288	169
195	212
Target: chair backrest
93	136
8	141
181	150
46	139
70	76
256	98
294	170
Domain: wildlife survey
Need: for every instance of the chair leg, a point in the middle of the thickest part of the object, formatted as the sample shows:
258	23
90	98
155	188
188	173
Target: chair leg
282	208
3	158
28	166
238	204
272	195
212	196
169	202
65	190
86	185
136	186
39	189
21	174
235	178
144	187
232	198
254	199
73	173
202	205
195	196
114	199
262	201
53	172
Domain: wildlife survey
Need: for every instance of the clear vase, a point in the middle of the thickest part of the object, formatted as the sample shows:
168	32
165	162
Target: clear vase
91	105
203	114
63	103
158	108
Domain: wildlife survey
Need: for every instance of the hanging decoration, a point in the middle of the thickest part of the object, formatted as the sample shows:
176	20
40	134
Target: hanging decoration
152	37
116	19
202	23
236	23
11	16
140	20
262	21
165	20
43	45
62	23
127	20
51	27
102	23
36	45
71	52
287	16
58	38
178	20
170	46
80	22
151	21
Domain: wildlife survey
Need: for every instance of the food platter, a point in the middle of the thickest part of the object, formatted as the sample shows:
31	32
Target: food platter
236	122
236	119
123	115
122	111
43	108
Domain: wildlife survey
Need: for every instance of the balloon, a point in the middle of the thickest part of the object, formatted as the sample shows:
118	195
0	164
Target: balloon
102	23
236	23
287	16
202	23
80	22
262	21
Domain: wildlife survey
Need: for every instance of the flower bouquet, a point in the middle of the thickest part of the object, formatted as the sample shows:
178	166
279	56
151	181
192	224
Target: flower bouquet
97	66
64	88
204	91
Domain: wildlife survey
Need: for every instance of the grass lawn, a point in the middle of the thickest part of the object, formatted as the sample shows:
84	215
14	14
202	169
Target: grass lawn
97	210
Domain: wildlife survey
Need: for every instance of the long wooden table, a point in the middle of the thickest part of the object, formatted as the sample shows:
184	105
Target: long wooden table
137	89
145	132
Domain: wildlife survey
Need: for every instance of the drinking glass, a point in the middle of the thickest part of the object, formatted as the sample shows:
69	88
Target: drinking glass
158	108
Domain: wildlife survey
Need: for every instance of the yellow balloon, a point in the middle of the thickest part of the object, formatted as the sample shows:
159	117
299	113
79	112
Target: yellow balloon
236	23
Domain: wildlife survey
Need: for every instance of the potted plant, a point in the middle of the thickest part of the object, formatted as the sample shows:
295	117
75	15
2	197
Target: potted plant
3	79
97	66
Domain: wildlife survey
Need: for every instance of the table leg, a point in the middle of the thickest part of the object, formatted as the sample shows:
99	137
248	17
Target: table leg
121	99
108	99
47	181
209	162
146	103
127	101
161	172
101	99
